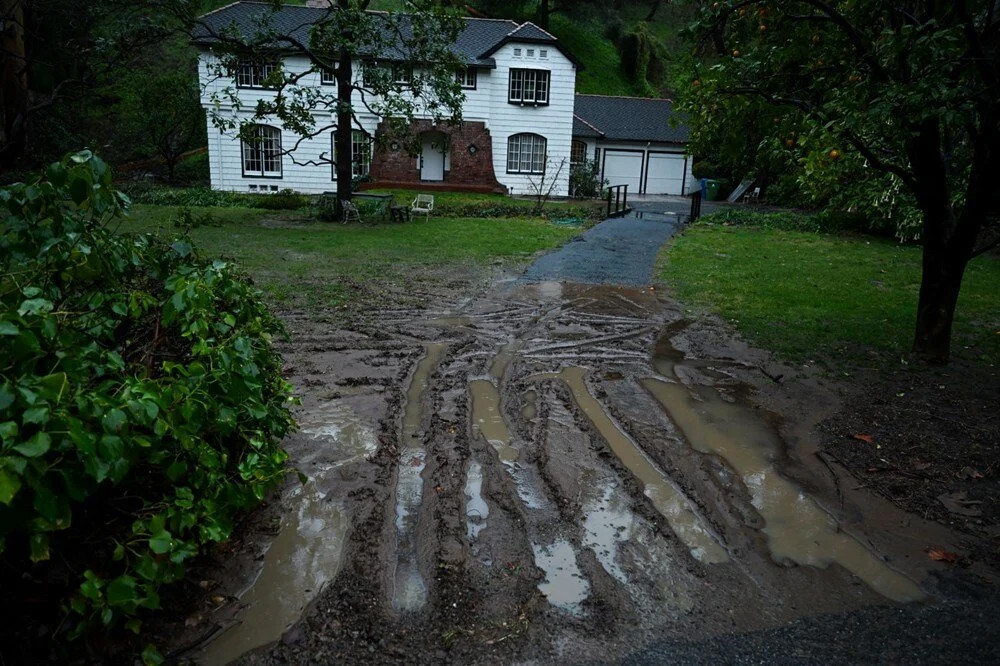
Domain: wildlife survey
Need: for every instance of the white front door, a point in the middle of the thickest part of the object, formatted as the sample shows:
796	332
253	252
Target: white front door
432	157
623	167
665	173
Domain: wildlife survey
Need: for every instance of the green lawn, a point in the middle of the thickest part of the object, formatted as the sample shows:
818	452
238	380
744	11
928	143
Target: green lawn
302	263
806	295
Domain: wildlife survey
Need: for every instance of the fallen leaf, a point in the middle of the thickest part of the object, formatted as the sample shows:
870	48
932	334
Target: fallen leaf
968	473
958	503
865	438
939	555
921	465
192	621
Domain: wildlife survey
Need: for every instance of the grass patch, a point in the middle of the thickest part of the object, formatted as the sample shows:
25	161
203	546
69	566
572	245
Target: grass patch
298	262
806	295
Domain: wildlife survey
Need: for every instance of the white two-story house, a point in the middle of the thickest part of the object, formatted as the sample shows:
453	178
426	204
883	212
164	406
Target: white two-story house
522	125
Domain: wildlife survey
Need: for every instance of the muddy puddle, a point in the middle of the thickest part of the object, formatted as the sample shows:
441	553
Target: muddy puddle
305	555
476	508
798	530
607	525
565	585
409	590
487	419
342	431
668	500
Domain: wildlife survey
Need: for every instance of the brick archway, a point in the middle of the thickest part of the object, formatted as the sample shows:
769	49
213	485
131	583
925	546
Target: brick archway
470	153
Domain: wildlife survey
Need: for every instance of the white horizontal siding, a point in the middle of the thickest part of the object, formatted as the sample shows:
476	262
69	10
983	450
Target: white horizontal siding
487	103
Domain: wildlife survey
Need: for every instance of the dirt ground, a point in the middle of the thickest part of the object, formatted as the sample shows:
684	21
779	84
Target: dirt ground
562	472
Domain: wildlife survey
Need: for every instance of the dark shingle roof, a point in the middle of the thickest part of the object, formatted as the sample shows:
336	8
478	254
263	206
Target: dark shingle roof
530	31
628	119
252	21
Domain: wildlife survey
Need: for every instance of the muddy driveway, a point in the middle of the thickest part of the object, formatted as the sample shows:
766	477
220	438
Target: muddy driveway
549	470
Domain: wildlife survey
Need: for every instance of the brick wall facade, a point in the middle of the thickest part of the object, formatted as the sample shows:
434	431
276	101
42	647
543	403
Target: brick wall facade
470	152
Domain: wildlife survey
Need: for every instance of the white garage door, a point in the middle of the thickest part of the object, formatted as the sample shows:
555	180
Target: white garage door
665	174
623	168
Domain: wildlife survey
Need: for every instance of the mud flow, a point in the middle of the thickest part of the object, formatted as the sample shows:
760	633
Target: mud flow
537	474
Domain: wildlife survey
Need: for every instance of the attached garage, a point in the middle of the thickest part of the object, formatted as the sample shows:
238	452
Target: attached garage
624	167
665	173
636	142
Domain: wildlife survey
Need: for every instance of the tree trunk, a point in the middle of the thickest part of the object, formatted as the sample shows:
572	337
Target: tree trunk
13	82
342	134
543	14
948	237
940	283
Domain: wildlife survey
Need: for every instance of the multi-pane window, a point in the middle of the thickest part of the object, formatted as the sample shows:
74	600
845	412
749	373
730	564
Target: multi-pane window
254	72
402	74
577	153
327	77
466	78
262	152
361	154
528	86
526	154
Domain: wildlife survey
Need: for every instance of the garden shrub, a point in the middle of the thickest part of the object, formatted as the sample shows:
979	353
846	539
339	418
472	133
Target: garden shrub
585	179
194	170
141	401
202	196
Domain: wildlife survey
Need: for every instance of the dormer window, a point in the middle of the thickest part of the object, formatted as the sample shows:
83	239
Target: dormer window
255	72
466	78
528	86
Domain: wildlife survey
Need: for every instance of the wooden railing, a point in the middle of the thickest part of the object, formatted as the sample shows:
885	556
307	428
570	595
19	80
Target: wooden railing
617	200
695	206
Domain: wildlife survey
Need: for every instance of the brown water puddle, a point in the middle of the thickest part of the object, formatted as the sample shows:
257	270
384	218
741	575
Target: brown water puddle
409	590
529	410
305	555
659	488
564	586
487	419
797	528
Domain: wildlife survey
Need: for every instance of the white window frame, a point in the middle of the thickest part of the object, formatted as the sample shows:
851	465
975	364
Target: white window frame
252	72
467	78
576	146
361	160
327	78
262	157
528	86
527	153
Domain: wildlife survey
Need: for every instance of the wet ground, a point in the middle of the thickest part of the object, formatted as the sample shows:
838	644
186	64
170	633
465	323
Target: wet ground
550	470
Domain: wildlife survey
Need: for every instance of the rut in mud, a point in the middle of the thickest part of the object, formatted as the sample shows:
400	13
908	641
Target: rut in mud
536	474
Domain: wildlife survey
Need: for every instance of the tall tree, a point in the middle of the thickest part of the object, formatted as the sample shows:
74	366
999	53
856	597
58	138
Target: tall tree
911	87
406	61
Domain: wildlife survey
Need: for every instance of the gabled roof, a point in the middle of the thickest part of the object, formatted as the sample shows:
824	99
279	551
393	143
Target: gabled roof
261	24
628	119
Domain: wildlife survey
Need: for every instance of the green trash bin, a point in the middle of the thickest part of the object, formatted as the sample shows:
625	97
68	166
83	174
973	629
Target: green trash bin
712	189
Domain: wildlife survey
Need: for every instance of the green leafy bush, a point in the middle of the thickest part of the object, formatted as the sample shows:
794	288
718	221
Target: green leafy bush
585	179
194	170
141	400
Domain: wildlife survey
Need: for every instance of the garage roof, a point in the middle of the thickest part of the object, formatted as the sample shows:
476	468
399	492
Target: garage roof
628	119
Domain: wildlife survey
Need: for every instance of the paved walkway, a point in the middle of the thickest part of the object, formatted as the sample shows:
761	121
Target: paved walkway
618	251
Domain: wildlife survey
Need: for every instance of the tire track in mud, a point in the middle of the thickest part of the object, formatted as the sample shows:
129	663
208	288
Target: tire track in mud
549	507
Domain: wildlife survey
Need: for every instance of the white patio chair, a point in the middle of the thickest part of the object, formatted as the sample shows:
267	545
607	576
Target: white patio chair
424	203
351	213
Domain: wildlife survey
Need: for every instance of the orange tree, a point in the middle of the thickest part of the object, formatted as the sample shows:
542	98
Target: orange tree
907	90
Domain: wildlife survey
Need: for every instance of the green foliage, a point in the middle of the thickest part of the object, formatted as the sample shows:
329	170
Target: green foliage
194	171
784	220
870	83
202	196
141	401
585	179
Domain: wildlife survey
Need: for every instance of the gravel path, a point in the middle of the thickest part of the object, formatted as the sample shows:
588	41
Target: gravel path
620	251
